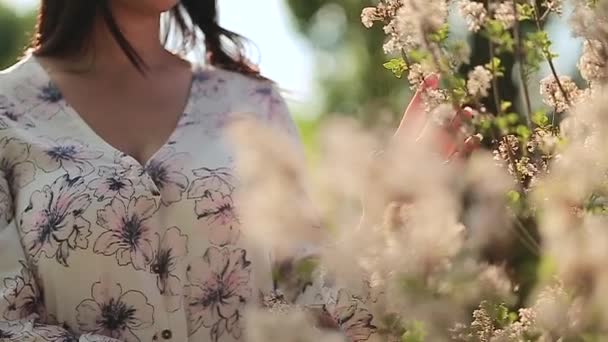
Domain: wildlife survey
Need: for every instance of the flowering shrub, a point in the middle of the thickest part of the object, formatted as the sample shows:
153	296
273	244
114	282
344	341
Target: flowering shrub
504	243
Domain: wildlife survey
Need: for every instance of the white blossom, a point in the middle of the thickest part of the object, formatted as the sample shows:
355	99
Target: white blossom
505	13
553	95
369	15
474	13
592	63
479	82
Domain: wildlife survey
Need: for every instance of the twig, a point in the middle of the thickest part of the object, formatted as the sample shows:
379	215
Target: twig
519	55
547	54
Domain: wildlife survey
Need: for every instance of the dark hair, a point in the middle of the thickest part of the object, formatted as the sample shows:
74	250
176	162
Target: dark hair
64	27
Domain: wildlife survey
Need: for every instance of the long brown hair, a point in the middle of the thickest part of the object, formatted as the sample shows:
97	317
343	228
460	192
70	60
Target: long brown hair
64	28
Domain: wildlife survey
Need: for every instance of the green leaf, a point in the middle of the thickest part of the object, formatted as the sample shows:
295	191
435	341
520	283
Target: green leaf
397	66
441	35
415	332
523	132
496	67
513	196
496	31
505	105
512	118
525	12
417	55
540	118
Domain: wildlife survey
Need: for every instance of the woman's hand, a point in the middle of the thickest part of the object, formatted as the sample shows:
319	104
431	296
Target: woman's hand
417	126
448	139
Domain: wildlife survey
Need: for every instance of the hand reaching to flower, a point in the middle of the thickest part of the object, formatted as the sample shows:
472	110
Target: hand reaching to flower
442	126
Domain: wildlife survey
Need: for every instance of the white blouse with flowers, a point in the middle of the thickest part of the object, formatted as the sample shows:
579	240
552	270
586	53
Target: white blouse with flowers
95	246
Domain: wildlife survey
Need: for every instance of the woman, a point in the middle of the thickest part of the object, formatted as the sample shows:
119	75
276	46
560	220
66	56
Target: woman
116	182
117	220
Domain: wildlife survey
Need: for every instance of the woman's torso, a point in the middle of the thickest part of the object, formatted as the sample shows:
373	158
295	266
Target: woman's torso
136	251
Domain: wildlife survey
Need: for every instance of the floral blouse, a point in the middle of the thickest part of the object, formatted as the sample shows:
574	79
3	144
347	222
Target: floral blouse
95	246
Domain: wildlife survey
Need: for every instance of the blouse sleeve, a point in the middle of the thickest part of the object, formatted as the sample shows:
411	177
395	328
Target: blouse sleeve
23	317
298	277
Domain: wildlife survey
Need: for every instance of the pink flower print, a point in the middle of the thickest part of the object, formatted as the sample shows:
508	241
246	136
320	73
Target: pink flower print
218	179
22	298
218	288
166	169
114	313
128	234
217	210
15	164
52	223
69	154
172	247
353	319
112	182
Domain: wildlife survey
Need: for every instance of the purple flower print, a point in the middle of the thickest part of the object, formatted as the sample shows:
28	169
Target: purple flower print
165	169
45	103
218	288
114	313
112	182
69	154
14	331
52	333
52	223
208	84
172	247
267	96
353	319
219	179
8	110
127	234
22	297
15	164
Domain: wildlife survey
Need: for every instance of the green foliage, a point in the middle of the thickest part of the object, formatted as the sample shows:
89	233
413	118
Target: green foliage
498	34
537	47
15	32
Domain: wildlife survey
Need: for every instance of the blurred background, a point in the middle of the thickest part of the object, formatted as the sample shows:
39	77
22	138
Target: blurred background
316	50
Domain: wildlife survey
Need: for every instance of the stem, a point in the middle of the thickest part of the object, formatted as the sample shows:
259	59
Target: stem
494	80
547	54
406	59
511	158
527	237
519	55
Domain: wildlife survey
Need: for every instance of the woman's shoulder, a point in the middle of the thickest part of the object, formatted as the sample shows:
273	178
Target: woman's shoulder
232	79
16	74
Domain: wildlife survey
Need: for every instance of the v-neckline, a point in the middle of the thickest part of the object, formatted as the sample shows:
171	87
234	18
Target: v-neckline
73	113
